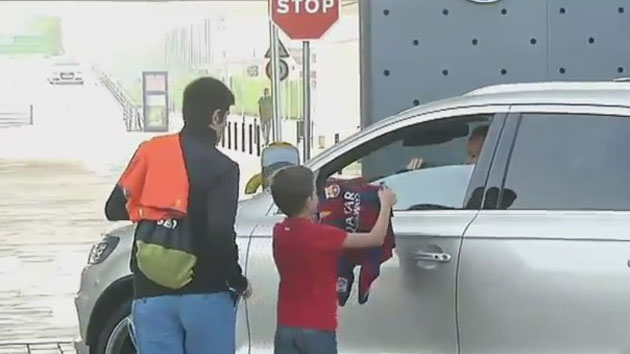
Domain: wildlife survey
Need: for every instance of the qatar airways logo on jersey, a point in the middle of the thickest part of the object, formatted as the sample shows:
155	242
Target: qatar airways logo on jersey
351	210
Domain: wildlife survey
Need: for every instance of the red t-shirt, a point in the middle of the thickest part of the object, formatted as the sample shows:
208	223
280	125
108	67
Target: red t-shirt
306	255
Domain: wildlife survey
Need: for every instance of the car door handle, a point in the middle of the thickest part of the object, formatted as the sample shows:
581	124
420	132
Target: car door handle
432	257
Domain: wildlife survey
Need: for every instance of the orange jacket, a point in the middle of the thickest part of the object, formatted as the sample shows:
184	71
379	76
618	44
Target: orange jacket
156	181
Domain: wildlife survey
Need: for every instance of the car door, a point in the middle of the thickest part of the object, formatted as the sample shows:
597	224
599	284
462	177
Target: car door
544	268
412	304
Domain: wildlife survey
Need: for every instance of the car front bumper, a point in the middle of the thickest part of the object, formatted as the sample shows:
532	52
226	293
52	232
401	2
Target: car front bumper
59	80
84	302
95	280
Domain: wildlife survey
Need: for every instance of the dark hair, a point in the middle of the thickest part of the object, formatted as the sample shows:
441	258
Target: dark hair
291	187
202	97
480	131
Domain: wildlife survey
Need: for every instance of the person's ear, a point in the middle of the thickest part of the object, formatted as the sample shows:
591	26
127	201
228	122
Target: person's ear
217	117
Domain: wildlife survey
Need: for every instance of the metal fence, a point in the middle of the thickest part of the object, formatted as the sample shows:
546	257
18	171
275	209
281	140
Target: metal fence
16	115
131	111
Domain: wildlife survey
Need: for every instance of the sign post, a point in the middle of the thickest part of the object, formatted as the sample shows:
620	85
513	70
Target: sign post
306	105
305	20
275	78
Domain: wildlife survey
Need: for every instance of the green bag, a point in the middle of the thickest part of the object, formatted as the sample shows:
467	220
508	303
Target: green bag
164	252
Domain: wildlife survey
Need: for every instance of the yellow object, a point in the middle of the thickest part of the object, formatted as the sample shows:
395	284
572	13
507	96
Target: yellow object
167	267
257	180
252	185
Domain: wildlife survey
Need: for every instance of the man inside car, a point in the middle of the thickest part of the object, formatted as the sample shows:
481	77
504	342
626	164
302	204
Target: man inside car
473	147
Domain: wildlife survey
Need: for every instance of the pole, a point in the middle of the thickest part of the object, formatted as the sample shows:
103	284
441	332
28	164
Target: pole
275	68
306	84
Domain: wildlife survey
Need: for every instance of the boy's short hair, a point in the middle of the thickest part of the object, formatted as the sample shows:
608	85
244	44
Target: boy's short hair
291	187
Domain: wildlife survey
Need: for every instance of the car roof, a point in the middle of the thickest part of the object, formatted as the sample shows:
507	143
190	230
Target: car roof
586	93
611	94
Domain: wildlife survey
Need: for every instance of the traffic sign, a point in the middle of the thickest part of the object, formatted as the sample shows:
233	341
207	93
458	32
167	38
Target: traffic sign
284	53
252	70
304	19
283	73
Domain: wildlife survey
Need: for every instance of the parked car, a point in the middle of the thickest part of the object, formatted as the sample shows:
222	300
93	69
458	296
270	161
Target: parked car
66	72
526	251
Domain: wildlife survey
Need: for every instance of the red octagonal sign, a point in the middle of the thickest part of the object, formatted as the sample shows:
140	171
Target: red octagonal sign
304	19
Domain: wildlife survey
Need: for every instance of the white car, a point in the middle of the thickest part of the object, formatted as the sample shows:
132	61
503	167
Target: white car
66	72
526	251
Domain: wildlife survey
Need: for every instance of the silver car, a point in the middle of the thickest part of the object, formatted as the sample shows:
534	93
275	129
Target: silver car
525	251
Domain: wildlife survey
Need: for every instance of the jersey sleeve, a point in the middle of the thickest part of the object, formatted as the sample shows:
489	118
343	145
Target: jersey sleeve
330	238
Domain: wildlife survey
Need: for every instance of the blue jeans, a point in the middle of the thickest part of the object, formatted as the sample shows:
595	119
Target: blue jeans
291	340
185	324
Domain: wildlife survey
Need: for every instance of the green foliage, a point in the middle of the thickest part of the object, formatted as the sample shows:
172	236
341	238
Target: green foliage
249	89
38	35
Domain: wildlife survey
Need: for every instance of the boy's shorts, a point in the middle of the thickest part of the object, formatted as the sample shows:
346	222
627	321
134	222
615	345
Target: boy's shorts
290	340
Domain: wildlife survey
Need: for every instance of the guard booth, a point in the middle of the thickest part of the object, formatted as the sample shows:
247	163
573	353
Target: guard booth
416	51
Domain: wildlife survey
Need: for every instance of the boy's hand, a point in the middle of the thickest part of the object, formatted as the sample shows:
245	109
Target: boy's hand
387	197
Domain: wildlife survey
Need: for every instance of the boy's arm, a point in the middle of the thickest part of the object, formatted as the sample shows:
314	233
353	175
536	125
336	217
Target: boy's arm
335	238
376	236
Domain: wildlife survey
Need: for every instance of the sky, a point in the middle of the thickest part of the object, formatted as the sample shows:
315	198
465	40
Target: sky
94	29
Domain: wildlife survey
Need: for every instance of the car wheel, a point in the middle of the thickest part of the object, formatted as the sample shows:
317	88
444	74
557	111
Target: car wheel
114	337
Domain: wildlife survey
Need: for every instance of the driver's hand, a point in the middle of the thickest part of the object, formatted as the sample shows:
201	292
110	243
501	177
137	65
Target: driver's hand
415	163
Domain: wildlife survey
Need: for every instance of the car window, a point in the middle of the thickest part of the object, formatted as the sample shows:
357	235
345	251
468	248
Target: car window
417	188
570	162
428	165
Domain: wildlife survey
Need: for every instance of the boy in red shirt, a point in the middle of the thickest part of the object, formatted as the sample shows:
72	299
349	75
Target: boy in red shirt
306	254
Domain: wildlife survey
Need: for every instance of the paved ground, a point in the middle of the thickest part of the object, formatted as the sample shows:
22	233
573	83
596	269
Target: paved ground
54	179
40	348
51	214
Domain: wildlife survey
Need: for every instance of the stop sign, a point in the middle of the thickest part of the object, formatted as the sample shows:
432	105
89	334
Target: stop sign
304	19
